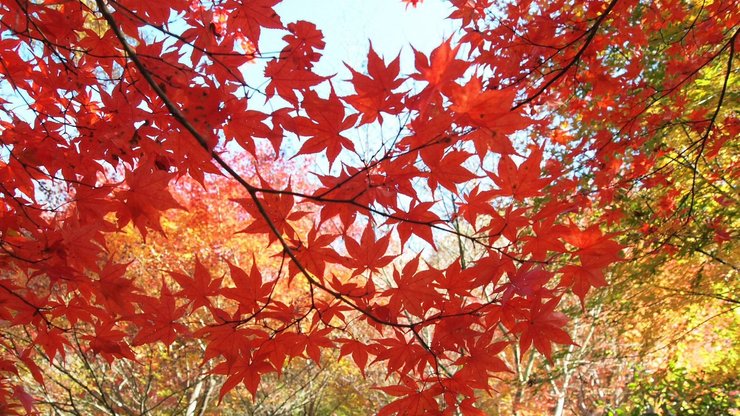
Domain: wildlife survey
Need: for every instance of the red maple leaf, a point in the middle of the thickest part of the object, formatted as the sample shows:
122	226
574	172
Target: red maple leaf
277	208
147	197
522	181
357	350
158	320
403	354
489	109
368	253
582	279
245	370
594	249
375	90
414	289
108	342
447	170
324	125
542	327
251	17
414	400
481	359
198	288
250	290
416	221
440	69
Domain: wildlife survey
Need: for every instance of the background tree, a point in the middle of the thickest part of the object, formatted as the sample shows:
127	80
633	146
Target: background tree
172	379
669	190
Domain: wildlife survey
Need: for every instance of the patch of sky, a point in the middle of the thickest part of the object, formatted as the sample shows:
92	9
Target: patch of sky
349	27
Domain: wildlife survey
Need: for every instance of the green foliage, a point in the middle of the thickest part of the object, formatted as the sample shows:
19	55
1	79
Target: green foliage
680	392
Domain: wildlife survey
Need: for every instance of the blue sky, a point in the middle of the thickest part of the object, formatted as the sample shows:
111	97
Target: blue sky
349	24
348	27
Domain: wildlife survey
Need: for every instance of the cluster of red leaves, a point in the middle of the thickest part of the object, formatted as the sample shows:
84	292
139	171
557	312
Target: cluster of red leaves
118	104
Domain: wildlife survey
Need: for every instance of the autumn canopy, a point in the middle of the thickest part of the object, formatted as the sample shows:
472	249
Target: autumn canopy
423	225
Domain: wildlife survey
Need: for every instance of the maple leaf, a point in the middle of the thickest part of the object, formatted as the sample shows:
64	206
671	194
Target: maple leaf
249	290
439	70
509	224
490	109
368	253
414	289
547	238
435	125
416	221
147	197
246	370
454	281
348	184
158	320
52	341
116	292
314	254
107	342
315	341
523	181
278	208
581	280
292	70
525	282
357	350
326	120
486	139
475	203
255	15
414	400
595	249
26	357
375	90
447	170
245	125
26	399
227	339
285	80
93	202
481	359
402	353
303	42
198	288
353	288
489	269
81	245
542	327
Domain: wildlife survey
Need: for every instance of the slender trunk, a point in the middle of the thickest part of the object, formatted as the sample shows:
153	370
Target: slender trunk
560	406
562	392
522	378
207	396
193	400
